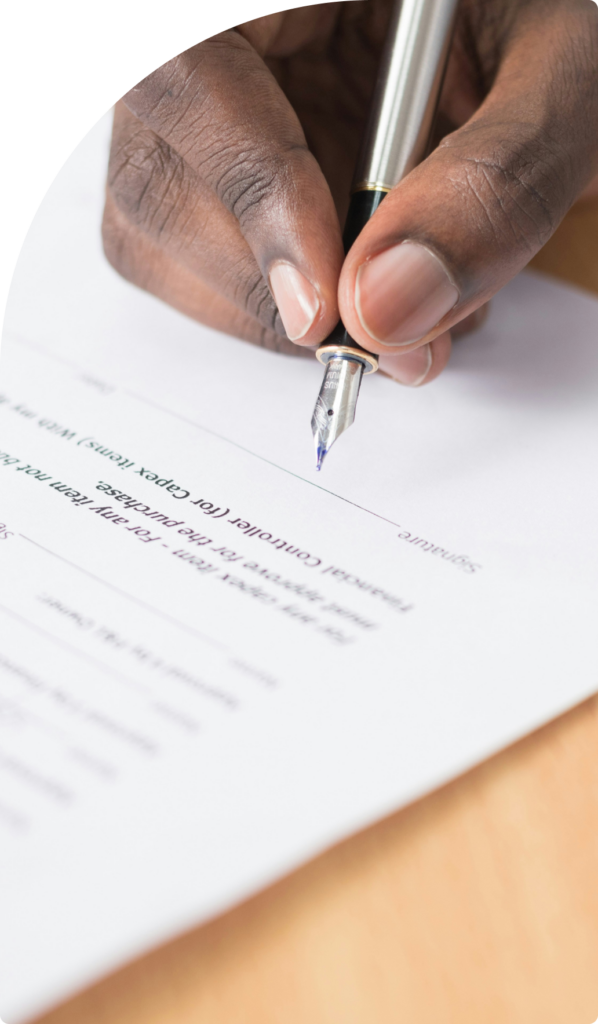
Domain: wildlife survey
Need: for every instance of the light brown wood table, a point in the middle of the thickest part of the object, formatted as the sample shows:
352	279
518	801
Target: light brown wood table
476	905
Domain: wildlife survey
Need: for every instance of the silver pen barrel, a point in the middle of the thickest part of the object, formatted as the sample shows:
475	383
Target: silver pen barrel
396	138
406	94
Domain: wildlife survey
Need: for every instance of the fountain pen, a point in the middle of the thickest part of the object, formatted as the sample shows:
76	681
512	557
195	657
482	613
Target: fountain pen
395	141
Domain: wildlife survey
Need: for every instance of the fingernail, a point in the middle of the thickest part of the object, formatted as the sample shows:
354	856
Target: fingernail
402	294
411	369
296	298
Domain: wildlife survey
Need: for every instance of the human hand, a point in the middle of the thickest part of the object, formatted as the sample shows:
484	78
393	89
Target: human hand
232	163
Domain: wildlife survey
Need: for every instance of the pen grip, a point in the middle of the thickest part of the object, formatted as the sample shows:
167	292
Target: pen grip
363	205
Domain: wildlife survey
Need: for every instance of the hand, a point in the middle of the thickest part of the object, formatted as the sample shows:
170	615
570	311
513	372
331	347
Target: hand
231	166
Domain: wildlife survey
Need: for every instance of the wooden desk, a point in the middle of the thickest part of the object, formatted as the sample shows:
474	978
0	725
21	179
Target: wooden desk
477	904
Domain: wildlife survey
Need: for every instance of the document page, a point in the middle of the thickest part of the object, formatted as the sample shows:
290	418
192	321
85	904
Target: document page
214	662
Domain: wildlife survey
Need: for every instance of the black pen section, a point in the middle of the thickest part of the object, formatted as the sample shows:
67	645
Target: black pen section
363	205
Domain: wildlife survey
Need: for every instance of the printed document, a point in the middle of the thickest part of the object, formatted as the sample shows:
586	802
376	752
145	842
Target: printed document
215	662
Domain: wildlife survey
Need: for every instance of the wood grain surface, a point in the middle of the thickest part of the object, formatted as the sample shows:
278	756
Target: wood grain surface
477	904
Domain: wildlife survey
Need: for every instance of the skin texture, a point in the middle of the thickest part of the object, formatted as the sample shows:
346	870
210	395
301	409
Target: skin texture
231	166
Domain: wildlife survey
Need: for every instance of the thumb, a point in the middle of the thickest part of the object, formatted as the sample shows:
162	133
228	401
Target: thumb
475	212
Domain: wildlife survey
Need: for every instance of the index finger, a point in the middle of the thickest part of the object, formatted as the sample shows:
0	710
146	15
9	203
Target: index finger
219	107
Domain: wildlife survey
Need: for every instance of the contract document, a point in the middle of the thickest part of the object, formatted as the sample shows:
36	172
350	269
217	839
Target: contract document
214	663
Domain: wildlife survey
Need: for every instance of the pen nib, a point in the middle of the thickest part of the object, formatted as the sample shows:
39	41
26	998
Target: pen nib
335	406
320	456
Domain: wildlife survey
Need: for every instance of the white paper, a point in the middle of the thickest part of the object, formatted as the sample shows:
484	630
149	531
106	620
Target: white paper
225	663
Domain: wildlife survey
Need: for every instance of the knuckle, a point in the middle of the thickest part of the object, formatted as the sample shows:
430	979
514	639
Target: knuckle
148	181
223	113
244	187
247	181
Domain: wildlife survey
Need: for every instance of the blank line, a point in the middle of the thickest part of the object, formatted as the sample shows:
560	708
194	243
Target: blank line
131	597
206	430
248	451
18	339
